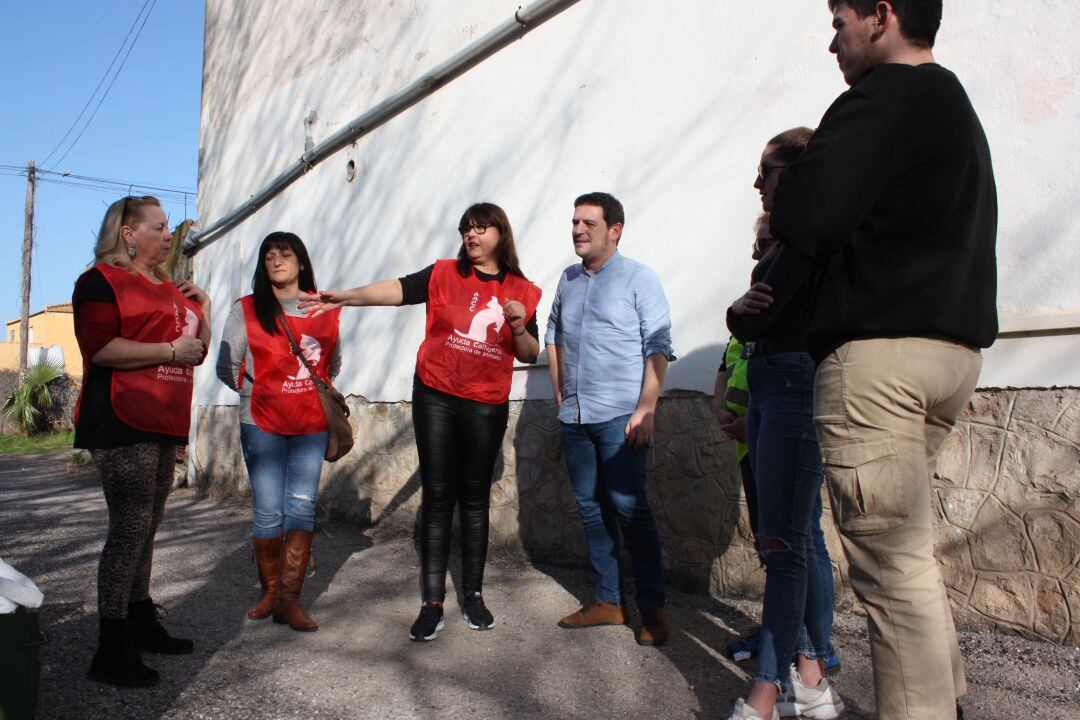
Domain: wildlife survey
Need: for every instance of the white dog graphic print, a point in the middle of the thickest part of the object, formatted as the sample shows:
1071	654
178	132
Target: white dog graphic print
191	323
190	326
490	315
312	350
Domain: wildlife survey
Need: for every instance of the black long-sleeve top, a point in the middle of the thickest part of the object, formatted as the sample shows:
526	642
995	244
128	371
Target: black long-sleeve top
892	214
787	327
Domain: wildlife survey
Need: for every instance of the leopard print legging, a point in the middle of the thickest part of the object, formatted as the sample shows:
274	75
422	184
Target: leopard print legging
136	480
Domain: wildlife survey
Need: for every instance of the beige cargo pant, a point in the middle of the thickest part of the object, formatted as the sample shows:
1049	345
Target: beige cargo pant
882	408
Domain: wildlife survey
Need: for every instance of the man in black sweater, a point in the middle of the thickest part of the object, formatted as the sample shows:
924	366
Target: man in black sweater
891	214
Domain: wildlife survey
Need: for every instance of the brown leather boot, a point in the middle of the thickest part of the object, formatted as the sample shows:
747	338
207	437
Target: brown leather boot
295	555
598	613
268	559
654	627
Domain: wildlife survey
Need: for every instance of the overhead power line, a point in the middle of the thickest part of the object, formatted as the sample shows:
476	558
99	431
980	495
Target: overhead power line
166	193
120	183
105	94
21	170
115	190
100	83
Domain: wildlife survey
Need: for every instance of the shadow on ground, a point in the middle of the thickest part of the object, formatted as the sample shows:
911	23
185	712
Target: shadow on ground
360	664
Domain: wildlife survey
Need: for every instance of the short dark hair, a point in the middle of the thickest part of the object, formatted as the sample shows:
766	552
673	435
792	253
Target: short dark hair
919	19
613	209
262	290
790	144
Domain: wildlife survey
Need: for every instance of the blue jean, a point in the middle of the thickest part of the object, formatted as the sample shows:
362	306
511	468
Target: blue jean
828	591
608	478
284	472
786	461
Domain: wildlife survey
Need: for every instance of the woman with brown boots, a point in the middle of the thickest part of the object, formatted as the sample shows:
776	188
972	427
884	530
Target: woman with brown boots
283	430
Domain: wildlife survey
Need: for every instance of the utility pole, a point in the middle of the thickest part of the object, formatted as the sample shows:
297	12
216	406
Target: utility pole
28	245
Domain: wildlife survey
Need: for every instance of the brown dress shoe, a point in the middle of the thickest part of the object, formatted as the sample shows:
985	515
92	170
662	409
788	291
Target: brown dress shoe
268	559
599	613
295	556
654	627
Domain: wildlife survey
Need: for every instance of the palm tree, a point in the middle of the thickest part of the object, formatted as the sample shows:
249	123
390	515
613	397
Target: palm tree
27	405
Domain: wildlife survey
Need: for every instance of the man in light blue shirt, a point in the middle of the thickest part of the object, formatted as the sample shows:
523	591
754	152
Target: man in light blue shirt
609	343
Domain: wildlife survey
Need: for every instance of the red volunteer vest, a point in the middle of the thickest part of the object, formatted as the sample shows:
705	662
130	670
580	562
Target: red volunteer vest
283	397
156	398
468	350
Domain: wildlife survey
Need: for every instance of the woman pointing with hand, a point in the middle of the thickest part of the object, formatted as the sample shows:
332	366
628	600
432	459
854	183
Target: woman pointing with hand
481	316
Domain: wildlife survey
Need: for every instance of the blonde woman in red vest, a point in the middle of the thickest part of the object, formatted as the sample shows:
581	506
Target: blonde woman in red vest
481	316
283	430
140	336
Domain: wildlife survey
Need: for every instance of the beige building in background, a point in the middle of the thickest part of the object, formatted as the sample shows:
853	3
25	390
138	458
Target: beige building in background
53	326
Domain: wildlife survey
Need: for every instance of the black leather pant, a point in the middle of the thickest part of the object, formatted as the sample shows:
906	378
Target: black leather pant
458	441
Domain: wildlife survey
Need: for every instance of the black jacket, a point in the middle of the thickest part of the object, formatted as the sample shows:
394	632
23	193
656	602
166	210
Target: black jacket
891	214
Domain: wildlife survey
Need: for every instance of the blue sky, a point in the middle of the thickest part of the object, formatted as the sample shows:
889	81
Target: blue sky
53	54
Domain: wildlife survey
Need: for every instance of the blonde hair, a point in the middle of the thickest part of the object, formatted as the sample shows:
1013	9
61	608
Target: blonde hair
111	248
761	220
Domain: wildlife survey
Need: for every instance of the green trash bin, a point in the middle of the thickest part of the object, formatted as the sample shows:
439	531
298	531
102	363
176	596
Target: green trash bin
20	668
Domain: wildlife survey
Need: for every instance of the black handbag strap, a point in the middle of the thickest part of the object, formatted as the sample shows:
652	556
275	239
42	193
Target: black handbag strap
296	347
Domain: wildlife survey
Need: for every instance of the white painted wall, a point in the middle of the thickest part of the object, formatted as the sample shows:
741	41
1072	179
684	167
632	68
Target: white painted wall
666	105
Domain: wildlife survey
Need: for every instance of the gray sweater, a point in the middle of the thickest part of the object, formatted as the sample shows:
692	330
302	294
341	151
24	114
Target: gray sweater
234	354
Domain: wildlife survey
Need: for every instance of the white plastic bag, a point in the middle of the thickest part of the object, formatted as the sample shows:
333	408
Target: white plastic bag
17	589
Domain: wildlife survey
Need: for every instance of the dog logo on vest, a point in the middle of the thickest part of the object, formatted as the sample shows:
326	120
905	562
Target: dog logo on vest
312	350
490	315
191	323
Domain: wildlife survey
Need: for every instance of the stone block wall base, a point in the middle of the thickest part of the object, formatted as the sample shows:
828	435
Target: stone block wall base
1005	499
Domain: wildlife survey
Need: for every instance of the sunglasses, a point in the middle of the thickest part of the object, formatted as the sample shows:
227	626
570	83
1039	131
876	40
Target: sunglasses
764	171
763	245
129	198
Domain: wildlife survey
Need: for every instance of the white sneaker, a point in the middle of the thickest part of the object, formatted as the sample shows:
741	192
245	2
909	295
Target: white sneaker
743	711
818	703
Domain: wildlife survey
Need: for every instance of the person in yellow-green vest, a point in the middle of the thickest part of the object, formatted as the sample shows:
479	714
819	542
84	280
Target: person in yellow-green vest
731	393
731	400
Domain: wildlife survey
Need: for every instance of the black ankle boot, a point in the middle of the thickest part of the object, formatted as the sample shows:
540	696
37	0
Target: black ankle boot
116	661
148	634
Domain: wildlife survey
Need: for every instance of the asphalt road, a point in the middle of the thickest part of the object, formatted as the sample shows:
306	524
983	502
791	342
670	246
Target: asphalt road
365	594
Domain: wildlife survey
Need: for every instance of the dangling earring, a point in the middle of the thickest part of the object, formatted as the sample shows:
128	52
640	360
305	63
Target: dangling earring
131	249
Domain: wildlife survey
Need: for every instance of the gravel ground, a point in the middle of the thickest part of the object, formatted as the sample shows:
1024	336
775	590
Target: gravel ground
365	595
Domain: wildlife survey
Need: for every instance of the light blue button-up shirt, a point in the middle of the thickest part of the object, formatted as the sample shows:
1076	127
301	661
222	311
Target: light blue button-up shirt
606	324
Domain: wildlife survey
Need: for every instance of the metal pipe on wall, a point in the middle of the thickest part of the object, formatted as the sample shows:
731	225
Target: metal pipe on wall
524	21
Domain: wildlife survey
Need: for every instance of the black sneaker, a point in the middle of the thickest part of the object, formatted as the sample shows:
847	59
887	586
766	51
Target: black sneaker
476	613
428	624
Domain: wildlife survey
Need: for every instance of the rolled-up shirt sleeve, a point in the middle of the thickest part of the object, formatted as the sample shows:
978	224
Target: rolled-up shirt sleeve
654	316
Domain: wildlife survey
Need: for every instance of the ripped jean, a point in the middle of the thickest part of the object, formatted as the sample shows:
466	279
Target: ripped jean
786	462
284	472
